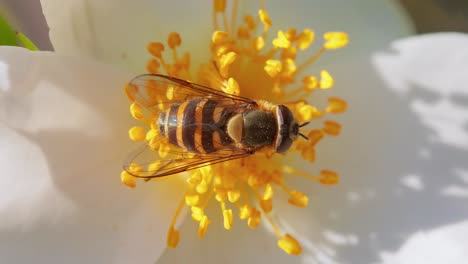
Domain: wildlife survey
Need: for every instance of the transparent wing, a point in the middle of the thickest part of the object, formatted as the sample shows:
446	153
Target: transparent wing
156	93
151	165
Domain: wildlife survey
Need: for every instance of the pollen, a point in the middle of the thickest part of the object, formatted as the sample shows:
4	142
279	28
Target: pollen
335	40
245	58
137	133
290	245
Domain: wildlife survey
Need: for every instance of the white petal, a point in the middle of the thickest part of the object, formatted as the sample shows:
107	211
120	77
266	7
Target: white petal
118	31
385	141
63	137
433	66
446	244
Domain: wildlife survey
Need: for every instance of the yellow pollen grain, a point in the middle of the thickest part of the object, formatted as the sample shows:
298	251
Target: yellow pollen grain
164	150
266	205
152	134
259	43
127	179
227	216
272	67
254	218
243	33
197	213
153	66
244	211
137	133
203	227
315	136
250	22
310	83
290	245
336	105
130	91
291	33
192	199
328	177
326	81
335	40
307	112
174	40
268	193
281	41
233	196
289	66
155	49
226	60
219	37
202	187
170	92
289	53
265	18
173	237
298	199
136	111
331	128
305	39
231	87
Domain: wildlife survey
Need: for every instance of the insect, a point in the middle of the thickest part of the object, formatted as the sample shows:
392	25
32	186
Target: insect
205	126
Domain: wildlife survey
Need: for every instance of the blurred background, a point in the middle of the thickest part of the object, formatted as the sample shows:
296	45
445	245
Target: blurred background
426	15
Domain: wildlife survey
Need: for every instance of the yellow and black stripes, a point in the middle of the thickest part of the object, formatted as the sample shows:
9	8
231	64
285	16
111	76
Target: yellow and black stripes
191	125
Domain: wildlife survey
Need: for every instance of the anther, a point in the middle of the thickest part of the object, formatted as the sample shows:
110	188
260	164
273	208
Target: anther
290	245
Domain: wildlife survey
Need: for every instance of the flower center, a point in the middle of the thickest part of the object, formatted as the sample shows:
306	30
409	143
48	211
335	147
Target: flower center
243	63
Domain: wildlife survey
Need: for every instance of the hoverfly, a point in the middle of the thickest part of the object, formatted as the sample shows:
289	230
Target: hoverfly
205	126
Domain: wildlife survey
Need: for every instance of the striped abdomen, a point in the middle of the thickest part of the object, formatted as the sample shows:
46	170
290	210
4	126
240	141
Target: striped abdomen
197	125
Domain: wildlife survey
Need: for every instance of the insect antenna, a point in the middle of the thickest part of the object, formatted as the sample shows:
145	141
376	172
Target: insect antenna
304	136
304	124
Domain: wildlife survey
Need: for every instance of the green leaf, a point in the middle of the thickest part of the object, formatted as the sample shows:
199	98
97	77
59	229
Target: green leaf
26	42
7	34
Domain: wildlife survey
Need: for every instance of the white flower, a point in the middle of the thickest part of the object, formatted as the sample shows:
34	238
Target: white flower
64	124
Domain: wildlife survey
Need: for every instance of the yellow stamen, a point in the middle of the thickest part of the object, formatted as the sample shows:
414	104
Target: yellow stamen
233	196
136	111
265	18
290	245
305	39
281	41
227	215
137	133
192	199
174	40
173	237
328	177
336	105
219	37
273	67
127	179
203	227
326	81
335	40
156	49
331	128
153	66
298	199
130	91
315	136
310	83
